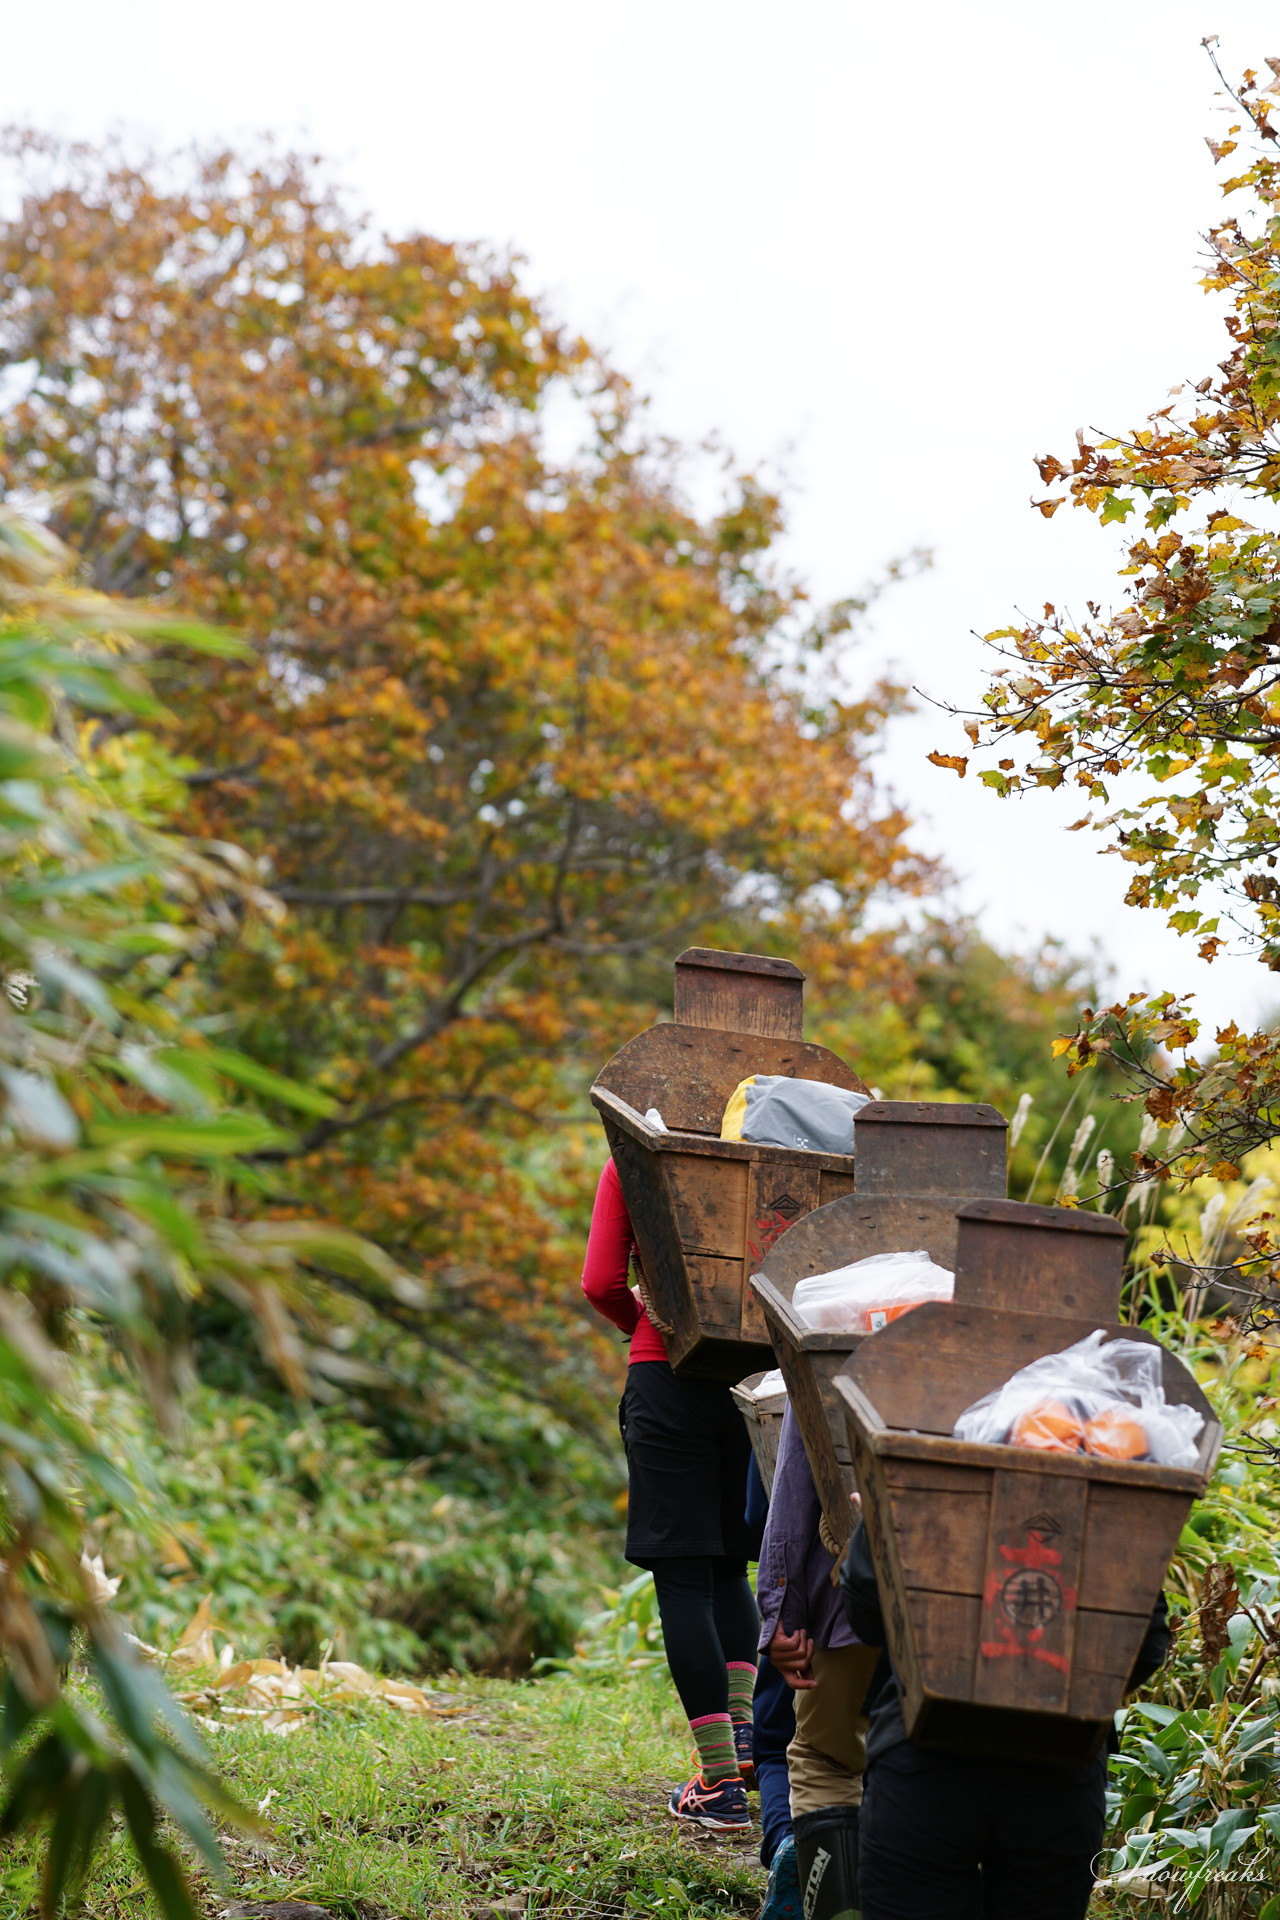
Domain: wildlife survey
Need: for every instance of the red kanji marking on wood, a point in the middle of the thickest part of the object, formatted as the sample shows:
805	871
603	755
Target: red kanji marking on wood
770	1227
1025	1601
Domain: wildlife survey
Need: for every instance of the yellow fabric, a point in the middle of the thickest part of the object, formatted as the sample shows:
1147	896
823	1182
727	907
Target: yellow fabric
736	1111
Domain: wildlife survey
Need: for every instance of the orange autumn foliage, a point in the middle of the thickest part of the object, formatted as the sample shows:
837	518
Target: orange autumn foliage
517	727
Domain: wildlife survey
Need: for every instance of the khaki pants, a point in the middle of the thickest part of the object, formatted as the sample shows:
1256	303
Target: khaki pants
828	1757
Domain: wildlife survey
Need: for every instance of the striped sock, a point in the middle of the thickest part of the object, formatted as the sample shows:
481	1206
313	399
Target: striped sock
742	1687
717	1755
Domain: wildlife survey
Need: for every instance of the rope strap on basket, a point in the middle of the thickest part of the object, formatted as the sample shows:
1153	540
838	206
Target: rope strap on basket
830	1542
656	1320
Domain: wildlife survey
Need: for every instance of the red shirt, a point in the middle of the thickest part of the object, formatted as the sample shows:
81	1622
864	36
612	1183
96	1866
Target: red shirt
606	1270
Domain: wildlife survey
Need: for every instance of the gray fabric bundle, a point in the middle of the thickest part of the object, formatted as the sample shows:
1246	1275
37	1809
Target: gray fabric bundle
801	1113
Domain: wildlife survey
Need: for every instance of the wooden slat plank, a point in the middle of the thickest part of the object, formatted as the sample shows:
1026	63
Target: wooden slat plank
1027	1635
833	1484
836	1182
942	1535
1050	1260
920	1146
899	1620
1070	1466
776	1198
946	1629
1131	1538
717	1287
742	992
644	1189
1107	1644
763	1421
709	1201
928	1476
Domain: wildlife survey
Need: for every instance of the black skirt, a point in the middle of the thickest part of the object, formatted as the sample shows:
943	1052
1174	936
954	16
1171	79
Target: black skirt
687	1455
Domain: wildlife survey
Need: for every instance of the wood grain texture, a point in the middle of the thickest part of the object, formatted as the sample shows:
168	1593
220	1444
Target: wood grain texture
1065	1558
688	1073
858	1225
706	1210
833	1478
901	1622
946	1630
832	1236
1051	1260
1107	1645
1031	1584
931	1146
740	992
1133	1534
942	1530
763	1420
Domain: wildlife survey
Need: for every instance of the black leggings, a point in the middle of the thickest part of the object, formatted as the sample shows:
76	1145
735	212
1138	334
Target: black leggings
709	1617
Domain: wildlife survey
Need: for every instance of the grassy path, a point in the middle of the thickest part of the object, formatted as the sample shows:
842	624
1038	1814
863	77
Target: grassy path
544	1798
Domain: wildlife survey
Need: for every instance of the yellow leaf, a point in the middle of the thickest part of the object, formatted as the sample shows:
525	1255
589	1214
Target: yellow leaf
957	762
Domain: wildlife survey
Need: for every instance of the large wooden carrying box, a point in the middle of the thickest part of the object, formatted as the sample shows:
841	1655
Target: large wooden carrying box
1017	1586
706	1210
917	1161
762	1414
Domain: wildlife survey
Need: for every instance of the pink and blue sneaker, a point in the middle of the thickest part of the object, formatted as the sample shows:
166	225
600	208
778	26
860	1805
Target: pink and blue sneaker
722	1807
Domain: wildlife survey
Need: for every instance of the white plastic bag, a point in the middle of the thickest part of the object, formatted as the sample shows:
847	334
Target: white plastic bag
866	1296
772	1383
1101	1397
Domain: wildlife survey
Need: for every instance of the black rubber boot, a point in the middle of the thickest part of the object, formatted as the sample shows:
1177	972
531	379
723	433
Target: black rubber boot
827	1856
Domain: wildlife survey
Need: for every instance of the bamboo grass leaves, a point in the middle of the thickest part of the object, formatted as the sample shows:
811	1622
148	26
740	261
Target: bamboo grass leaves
120	1164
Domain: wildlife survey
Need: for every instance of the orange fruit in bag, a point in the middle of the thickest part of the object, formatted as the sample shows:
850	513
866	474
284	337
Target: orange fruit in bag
1050	1426
1116	1434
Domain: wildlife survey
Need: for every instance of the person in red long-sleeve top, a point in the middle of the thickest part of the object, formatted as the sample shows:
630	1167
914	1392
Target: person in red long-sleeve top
606	1272
687	1455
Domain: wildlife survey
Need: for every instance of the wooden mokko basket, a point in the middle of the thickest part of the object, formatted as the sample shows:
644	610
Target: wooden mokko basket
1017	1586
706	1210
763	1419
917	1162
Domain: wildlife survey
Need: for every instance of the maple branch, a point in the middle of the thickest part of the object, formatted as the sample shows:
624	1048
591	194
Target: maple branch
374	896
210	776
421	1323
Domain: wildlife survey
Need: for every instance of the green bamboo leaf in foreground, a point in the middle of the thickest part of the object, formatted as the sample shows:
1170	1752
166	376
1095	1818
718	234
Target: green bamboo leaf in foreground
122	1141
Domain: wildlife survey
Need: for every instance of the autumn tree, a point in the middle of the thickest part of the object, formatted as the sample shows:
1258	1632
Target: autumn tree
514	728
1165	715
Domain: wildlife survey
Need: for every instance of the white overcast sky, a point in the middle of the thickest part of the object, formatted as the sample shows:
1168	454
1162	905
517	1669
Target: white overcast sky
888	251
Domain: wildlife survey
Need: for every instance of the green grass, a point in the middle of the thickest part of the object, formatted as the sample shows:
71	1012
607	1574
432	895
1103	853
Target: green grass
540	1798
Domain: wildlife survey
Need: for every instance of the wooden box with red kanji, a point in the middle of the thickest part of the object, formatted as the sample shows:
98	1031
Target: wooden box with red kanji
1017	1586
918	1161
705	1210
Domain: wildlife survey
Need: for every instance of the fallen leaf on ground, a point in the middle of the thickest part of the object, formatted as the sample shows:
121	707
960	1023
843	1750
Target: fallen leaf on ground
277	1696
